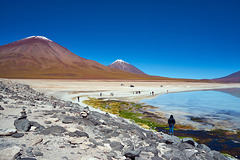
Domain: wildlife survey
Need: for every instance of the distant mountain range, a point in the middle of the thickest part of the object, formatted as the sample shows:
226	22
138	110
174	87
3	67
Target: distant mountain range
40	57
232	78
122	65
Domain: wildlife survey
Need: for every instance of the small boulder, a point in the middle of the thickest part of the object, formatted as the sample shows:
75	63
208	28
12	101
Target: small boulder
203	148
116	146
47	122
67	121
22	124
29	152
17	135
170	139
53	130
190	152
37	153
190	141
151	149
77	140
37	125
132	154
78	134
217	155
184	146
8	132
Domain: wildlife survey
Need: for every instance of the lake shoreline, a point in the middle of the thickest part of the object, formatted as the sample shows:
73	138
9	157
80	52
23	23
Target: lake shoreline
69	90
202	115
121	90
225	141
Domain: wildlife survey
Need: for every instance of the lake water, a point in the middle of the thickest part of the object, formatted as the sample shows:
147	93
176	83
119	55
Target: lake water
221	104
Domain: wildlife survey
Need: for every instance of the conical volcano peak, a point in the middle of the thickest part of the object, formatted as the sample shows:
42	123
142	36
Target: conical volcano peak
120	61
122	65
38	37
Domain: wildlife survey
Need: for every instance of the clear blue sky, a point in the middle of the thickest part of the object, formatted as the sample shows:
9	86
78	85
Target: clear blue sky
172	38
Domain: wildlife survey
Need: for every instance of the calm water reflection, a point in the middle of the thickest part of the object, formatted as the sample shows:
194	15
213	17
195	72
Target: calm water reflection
219	104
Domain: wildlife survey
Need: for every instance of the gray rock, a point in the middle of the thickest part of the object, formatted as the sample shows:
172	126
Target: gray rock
64	158
29	152
190	152
68	104
157	158
45	143
132	154
145	155
168	154
139	133
47	122
86	109
37	153
128	143
22	124
29	149
10	106
67	121
179	154
153	150
1	108
17	135
112	154
203	147
8	132
170	139
116	146
78	134
217	155
95	122
176	158
184	146
199	156
28	159
106	131
151	135
20	102
37	125
190	141
53	130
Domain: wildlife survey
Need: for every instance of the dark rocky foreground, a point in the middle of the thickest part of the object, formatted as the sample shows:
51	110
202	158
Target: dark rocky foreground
56	129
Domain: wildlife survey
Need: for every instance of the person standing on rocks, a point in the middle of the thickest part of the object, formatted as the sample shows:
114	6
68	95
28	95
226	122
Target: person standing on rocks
171	122
78	98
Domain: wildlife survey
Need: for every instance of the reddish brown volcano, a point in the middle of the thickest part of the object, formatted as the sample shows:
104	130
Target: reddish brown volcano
232	78
39	57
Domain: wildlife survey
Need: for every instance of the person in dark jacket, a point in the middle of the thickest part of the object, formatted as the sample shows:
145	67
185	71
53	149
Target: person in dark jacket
171	122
